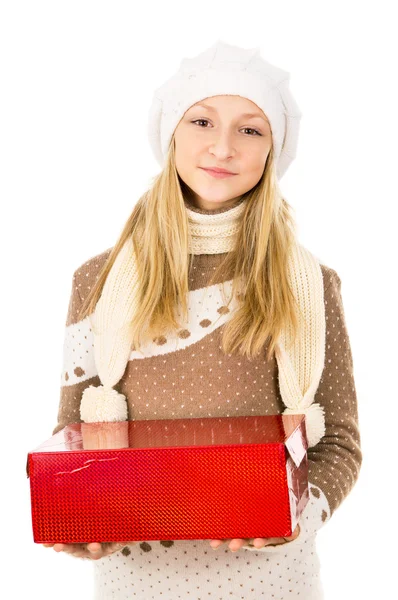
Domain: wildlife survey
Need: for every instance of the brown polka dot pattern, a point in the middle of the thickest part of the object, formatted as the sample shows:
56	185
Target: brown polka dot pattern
223	310
192	569
314	492
167	543
184	334
205	323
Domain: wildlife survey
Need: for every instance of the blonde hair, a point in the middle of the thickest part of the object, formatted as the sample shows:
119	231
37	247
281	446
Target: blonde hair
159	228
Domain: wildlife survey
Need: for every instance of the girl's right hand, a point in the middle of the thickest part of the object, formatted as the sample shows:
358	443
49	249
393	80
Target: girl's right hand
92	550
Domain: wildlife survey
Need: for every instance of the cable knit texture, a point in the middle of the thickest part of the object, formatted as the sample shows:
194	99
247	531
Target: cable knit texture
186	375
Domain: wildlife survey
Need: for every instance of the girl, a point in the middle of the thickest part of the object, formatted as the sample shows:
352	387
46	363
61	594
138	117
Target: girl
224	129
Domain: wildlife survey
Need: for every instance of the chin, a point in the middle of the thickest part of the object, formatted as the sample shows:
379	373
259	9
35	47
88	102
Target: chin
213	196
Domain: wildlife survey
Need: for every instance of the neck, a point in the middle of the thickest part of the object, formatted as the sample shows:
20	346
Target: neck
210	211
214	231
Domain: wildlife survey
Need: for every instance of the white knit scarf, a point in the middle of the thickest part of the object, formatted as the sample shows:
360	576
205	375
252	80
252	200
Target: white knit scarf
300	368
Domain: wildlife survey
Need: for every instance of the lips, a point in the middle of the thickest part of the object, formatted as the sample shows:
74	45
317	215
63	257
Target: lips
218	170
218	174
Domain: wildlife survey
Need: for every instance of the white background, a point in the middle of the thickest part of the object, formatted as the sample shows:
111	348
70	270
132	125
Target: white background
76	80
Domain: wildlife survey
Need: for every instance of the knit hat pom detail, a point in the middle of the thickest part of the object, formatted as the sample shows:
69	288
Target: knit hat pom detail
102	404
314	421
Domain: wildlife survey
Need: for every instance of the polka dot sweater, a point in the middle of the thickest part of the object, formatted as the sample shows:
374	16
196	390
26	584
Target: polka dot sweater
198	380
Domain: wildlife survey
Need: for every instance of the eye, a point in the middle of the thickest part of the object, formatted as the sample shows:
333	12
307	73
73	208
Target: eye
200	121
250	129
245	128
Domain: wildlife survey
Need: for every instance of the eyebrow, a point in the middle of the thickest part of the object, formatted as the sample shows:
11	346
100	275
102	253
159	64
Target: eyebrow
243	115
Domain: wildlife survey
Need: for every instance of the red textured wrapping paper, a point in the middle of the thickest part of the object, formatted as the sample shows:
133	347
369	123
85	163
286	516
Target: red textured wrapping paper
170	479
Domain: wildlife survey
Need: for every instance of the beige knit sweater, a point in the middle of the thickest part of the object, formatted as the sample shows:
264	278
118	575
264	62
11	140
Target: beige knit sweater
200	381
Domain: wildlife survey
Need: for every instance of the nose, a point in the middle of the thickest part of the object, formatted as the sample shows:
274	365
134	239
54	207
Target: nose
222	146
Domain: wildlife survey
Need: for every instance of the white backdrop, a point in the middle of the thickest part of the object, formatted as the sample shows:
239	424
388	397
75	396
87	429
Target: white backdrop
76	82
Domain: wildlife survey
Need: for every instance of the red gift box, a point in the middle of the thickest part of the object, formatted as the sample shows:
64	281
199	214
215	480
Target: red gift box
170	479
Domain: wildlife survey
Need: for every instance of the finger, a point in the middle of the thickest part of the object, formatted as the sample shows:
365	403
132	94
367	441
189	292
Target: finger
71	549
130	543
80	553
236	543
260	542
275	541
95	553
94	547
59	547
115	548
75	549
216	543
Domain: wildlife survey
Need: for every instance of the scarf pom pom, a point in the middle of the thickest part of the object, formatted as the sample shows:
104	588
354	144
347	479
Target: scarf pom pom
314	421
102	404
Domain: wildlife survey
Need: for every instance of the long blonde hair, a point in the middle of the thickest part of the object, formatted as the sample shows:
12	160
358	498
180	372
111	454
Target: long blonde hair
159	228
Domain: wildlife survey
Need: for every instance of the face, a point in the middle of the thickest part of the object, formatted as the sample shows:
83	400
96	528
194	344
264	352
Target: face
218	132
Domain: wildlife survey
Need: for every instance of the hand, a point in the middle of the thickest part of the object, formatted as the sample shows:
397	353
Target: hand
92	550
237	543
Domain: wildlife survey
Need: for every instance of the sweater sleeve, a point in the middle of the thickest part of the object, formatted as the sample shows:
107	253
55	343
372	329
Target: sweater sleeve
78	368
334	463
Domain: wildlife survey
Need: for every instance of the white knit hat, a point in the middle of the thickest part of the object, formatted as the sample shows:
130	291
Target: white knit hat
226	69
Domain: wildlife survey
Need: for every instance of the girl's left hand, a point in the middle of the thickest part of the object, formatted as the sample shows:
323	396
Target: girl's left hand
92	550
235	544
